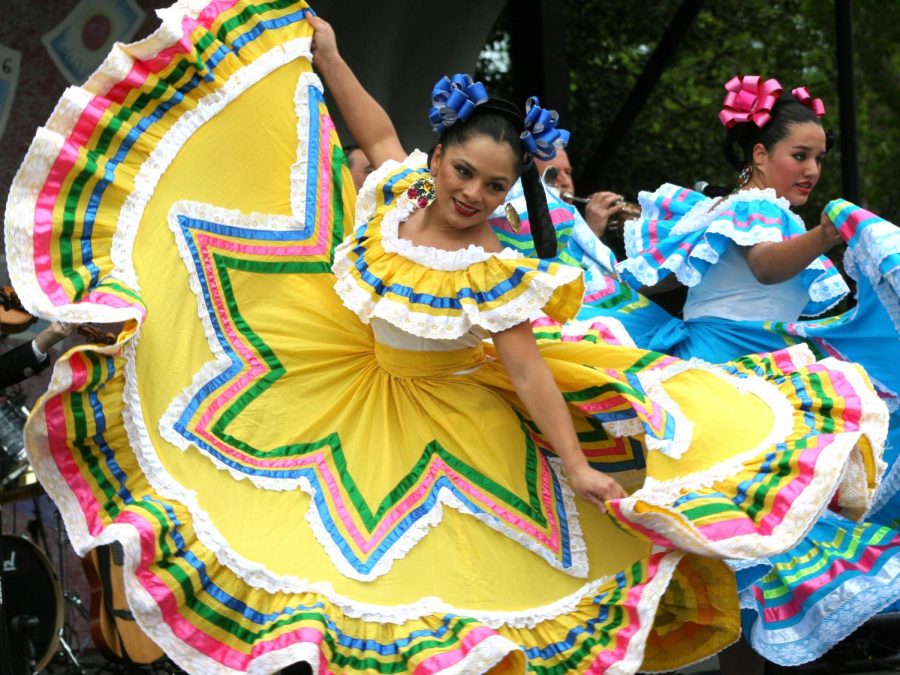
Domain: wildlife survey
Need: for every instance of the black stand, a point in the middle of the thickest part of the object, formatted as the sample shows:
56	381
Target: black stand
65	633
6	657
25	627
39	534
5	645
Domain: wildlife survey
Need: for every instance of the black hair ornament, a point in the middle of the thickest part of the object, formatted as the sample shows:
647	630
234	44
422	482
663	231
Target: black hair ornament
541	138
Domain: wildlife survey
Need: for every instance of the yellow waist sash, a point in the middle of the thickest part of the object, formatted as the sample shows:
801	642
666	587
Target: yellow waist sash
408	363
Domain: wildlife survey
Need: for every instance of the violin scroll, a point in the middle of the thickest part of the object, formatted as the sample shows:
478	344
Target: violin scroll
14	318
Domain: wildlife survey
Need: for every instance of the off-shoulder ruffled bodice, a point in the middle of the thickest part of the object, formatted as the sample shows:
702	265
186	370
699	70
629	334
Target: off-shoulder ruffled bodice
684	233
433	293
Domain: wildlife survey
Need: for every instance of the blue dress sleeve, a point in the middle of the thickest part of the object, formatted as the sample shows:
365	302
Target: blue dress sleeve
873	250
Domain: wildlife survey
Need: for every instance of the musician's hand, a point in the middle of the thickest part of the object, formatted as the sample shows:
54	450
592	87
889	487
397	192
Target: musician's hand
52	334
600	208
595	486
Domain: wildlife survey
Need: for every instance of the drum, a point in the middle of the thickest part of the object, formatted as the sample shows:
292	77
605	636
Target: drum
13	461
30	589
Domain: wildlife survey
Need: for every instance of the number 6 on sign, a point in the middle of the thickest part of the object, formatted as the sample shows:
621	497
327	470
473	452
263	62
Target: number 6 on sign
10	62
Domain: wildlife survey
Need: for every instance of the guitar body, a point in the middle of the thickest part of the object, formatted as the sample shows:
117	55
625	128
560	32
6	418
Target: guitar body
13	317
115	632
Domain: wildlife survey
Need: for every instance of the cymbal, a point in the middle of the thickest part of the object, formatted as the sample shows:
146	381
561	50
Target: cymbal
25	486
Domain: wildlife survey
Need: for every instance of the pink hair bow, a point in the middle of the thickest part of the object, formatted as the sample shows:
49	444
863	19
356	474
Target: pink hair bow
749	100
814	104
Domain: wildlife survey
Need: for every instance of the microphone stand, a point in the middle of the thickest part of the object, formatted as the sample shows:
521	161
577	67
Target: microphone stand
68	596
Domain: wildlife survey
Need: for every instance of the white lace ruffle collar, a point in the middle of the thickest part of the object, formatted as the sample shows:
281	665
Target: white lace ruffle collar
701	215
826	289
428	256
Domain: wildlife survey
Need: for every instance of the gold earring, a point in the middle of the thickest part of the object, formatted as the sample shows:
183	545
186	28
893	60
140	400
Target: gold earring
512	217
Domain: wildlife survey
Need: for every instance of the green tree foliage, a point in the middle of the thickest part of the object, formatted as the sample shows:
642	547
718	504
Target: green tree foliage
676	137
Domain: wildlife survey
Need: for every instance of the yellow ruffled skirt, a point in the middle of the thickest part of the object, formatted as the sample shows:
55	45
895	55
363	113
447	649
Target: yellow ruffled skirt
284	489
366	509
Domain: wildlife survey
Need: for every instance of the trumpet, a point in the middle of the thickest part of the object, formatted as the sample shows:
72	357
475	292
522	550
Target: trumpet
569	197
629	210
548	178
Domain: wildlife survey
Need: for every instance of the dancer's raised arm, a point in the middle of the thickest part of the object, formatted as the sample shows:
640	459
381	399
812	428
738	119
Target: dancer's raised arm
367	121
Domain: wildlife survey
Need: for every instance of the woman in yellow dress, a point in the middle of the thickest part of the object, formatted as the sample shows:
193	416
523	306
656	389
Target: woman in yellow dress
355	455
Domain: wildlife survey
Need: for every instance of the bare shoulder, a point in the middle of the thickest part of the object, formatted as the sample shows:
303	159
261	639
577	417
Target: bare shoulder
488	240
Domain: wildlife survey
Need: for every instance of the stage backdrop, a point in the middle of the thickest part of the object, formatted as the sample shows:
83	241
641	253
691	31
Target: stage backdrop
398	48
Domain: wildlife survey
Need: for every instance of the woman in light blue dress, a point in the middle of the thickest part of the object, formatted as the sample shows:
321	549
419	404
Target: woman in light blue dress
753	270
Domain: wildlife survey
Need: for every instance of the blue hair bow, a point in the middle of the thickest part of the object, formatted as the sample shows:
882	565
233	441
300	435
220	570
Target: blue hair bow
541	138
454	99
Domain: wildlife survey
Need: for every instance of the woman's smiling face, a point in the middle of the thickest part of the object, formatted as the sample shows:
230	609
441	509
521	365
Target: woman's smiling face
471	179
794	164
